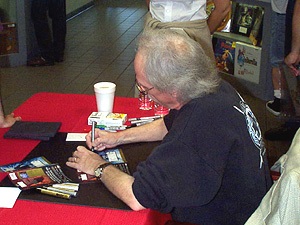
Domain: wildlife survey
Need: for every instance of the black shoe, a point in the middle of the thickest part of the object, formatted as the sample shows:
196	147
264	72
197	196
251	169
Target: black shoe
40	61
274	106
283	133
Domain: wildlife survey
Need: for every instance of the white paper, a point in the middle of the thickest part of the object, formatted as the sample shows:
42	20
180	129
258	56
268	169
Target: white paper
76	137
8	196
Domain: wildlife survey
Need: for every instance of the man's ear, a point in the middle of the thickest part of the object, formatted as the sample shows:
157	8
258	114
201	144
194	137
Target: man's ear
174	94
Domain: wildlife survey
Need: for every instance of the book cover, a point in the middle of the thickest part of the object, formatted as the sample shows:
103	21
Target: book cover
243	19
224	51
247	62
115	156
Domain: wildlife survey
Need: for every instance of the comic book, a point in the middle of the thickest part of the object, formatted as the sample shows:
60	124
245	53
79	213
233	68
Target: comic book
34	173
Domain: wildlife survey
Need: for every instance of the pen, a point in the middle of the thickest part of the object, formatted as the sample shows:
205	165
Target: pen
54	193
145	118
93	133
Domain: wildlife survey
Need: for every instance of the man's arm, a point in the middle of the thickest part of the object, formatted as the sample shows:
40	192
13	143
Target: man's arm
294	56
7	120
118	182
154	131
222	8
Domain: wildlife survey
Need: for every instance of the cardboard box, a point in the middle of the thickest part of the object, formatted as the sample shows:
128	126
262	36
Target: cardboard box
107	118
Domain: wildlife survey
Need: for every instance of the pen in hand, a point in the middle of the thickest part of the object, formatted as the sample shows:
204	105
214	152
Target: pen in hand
93	134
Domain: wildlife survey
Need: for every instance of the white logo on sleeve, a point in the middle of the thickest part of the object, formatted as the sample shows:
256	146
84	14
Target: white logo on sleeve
253	128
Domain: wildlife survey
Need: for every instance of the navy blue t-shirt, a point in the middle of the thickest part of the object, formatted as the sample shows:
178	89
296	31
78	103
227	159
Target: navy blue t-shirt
210	168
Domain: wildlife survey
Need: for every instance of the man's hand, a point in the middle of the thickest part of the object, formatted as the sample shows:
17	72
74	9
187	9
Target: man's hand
9	120
103	140
291	60
85	160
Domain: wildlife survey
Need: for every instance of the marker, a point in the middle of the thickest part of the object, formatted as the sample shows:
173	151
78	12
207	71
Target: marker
54	193
72	186
137	124
113	128
94	123
62	190
141	121
145	118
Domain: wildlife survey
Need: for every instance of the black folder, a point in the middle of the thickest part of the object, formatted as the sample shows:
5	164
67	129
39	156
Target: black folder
33	130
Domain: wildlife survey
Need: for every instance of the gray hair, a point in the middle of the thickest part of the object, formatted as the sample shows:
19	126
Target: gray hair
175	62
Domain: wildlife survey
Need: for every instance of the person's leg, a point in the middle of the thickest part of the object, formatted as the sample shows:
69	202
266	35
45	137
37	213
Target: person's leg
57	12
276	58
288	26
289	128
39	10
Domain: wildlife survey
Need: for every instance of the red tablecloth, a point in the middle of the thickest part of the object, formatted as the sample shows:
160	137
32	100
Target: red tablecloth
72	110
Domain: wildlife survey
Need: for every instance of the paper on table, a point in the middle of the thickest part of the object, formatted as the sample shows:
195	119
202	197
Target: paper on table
76	137
8	196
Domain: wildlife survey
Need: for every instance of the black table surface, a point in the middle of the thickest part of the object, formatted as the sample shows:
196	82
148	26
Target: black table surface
95	194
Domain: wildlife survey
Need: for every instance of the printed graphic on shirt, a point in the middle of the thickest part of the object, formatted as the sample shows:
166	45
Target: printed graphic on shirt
253	127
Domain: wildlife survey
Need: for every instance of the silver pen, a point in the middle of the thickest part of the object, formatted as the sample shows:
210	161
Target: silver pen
93	133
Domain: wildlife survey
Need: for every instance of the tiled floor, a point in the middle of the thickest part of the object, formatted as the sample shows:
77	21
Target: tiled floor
100	47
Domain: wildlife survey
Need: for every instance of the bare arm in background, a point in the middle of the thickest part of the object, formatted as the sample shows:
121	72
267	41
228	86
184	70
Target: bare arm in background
222	8
293	58
7	120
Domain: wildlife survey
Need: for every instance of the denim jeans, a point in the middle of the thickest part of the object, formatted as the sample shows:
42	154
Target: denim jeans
288	26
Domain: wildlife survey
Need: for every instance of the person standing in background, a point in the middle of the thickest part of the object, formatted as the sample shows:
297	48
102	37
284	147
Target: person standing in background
292	60
277	54
51	46
188	16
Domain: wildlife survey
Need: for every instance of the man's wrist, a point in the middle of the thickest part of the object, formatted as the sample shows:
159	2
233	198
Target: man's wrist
100	169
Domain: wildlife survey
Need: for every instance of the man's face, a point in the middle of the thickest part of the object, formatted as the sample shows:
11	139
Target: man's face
165	99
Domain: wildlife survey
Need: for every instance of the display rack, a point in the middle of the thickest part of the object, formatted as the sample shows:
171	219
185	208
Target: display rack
263	88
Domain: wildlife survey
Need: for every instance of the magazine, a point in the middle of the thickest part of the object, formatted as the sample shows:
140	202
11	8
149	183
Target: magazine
115	156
